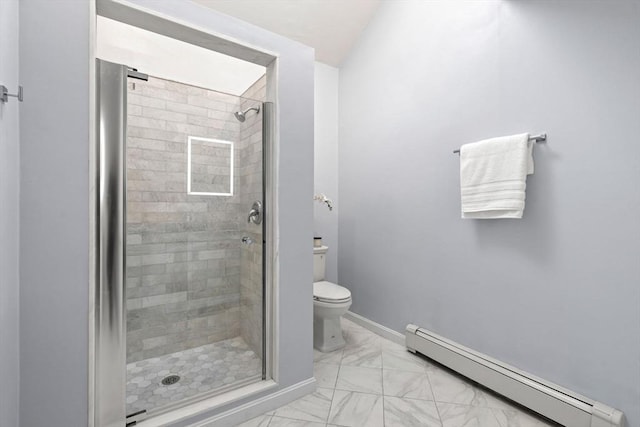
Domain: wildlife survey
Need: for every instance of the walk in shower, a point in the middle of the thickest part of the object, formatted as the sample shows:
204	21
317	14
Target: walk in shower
182	185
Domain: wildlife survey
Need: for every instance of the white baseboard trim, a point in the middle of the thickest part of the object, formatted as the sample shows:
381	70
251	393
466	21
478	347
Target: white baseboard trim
376	328
257	407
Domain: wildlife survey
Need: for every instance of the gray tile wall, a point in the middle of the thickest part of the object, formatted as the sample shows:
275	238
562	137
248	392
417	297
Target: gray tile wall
183	251
250	172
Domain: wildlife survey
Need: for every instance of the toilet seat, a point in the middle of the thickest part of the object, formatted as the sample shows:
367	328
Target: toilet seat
328	292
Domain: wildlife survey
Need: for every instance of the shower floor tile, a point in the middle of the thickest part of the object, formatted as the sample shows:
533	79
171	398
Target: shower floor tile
201	369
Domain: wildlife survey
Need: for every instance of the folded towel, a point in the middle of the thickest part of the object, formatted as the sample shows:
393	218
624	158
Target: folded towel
493	176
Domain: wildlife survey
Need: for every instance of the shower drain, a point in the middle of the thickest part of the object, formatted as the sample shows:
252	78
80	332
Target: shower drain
170	379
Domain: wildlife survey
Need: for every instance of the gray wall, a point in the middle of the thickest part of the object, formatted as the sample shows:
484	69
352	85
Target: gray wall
55	199
325	222
54	206
9	222
555	293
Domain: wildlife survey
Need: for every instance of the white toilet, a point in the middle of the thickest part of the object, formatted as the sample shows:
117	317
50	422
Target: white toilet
330	302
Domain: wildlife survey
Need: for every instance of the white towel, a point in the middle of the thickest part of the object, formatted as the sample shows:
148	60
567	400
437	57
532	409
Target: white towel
493	176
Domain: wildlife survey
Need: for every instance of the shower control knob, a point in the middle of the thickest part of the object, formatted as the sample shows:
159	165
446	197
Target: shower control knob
255	214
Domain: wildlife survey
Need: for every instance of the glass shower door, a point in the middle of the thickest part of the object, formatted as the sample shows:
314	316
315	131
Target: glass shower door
194	243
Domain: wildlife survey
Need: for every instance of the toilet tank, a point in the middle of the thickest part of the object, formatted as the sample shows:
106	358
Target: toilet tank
319	262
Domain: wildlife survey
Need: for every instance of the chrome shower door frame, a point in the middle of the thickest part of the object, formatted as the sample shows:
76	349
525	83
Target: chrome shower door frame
269	224
109	329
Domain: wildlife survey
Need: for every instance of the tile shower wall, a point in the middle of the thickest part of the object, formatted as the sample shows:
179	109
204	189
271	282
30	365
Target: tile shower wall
183	251
251	293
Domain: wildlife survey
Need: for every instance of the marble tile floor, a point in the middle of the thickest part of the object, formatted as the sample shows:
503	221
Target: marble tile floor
374	382
201	369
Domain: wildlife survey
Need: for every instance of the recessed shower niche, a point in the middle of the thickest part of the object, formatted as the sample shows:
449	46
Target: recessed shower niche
209	166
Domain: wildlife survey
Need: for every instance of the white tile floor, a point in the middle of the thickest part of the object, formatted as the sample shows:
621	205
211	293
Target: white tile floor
374	382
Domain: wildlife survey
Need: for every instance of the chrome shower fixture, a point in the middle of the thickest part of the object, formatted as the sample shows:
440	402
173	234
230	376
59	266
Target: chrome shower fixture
322	198
242	115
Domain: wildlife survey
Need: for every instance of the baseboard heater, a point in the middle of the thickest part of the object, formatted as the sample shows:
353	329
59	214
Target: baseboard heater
554	402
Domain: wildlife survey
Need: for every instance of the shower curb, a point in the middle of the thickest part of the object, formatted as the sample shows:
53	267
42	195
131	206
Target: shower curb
259	406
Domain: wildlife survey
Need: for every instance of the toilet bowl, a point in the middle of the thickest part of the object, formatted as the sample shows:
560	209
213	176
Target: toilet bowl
330	302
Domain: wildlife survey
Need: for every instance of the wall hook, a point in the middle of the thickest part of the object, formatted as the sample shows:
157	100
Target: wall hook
4	94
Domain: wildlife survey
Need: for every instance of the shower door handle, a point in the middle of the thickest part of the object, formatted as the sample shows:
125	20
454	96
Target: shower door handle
255	214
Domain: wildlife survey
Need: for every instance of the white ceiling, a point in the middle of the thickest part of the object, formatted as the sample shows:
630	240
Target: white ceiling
167	58
330	26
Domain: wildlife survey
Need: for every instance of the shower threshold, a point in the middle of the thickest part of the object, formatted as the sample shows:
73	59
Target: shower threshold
202	371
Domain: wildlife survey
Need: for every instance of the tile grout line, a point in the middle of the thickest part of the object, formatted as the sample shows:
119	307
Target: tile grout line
333	393
493	412
434	397
384	422
335	385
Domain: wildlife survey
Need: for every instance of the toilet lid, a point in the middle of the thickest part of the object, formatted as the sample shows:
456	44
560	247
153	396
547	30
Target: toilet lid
330	292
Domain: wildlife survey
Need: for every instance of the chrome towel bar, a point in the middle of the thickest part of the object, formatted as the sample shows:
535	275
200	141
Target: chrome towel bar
535	138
